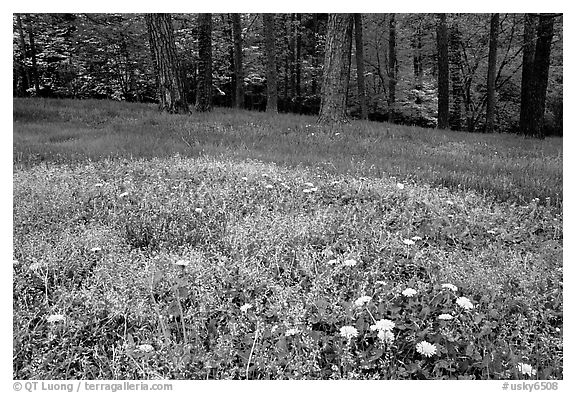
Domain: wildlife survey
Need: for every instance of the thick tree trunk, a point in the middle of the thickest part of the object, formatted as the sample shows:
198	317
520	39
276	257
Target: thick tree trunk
491	78
417	55
24	76
443	72
238	70
171	95
271	76
392	67
537	99
336	72
455	59
204	86
360	65
35	77
529	50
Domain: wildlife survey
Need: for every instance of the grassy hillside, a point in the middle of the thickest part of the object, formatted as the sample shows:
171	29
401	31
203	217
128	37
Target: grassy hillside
239	245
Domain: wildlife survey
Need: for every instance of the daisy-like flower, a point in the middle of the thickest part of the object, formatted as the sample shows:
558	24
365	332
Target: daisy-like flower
349	332
56	318
465	303
95	249
269	186
314	189
98	185
245	307
408	242
349	262
15	262
332	262
491	232
362	300
145	348
451	287
527	369
416	238
400	186
183	262
198	210
291	332
308	184
123	194
445	317
244	178
449	202
409	292
426	349
306	191
386	335
37	265
337	134
382	325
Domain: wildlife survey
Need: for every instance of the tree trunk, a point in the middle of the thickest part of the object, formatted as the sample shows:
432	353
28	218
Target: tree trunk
271	76
455	59
314	53
228	32
537	99
529	50
35	77
24	76
491	78
171	95
298	59
417	55
336	72
204	86
443	72
392	67
238	71
360	65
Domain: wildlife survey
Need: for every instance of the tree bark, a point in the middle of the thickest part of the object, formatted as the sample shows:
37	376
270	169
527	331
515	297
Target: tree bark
35	77
417	55
443	72
455	59
336	72
238	70
360	65
204	86
25	77
171	95
529	50
271	75
392	67
298	59
491	78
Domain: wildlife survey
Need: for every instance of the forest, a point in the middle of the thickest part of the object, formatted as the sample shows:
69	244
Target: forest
469	72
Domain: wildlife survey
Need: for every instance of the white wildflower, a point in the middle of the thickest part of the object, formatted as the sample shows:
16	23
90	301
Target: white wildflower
449	203
306	191
145	348
491	232
314	189
349	262
386	336
123	194
332	262
445	317
198	210
400	186
15	262
416	238
183	262
409	292
291	332
527	369
95	249
451	287
269	186
362	300
98	185
383	324
308	184
244	178
426	349
408	242
245	307
37	265
465	303
56	318
337	134
349	332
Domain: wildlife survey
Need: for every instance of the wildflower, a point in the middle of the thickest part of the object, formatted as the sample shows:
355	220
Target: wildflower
183	262
451	287
400	186
465	303
449	203
245	307
337	134
244	178
409	292
381	282
314	189
145	348
349	262
349	332
416	238
15	262
198	210
445	317
95	249
386	335
291	332
426	349
37	265
491	232
123	194
98	185
332	262
308	184
306	190
362	300
408	242
383	324
524	368
274	328
269	186
56	318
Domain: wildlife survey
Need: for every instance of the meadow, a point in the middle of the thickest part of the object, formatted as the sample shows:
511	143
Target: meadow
240	245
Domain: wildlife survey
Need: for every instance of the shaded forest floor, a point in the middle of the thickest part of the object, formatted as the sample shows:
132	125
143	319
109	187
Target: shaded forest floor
237	245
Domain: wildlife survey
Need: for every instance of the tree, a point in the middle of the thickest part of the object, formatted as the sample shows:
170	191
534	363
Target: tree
30	26
491	78
455	60
360	65
204	87
238	71
171	96
392	67
443	72
529	50
23	71
271	76
336	72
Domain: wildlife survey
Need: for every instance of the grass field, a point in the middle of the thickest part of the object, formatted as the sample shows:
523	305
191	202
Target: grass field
241	245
